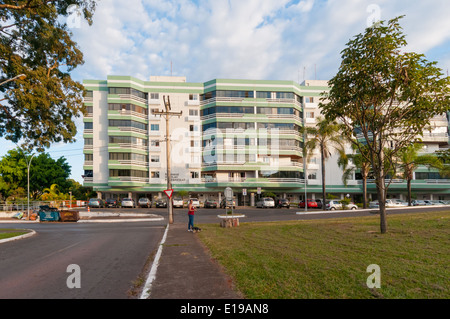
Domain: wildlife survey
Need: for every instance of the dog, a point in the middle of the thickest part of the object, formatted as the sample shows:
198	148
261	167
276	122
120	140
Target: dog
196	229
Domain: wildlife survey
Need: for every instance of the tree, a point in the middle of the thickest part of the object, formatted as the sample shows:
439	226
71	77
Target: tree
444	157
35	41
326	137
410	160
44	171
384	98
360	162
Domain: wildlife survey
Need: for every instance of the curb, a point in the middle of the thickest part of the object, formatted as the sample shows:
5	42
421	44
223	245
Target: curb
31	233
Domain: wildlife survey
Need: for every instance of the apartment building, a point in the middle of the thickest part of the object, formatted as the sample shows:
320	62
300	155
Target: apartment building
242	134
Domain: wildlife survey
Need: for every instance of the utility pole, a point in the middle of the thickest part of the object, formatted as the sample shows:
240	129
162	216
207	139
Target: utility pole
167	115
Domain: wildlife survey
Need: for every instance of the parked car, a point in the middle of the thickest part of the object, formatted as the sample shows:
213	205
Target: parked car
178	202
96	202
265	202
311	204
128	202
111	202
195	202
223	203
374	204
209	203
418	202
283	202
336	204
160	203
333	205
319	203
144	202
399	203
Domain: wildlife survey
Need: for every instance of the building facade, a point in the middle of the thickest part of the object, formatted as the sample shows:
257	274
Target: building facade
242	134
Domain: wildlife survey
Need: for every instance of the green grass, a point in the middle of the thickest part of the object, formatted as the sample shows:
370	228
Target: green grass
8	233
328	258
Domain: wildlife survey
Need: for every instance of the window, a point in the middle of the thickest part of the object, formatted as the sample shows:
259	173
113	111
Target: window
88	141
154	143
128	140
154	174
89	94
127	107
88	125
134	92
263	95
285	95
227	109
226	93
127	173
128	157
154	127
193	128
309	99
309	115
154	159
193	97
194	175
193	112
128	123
88	157
154	96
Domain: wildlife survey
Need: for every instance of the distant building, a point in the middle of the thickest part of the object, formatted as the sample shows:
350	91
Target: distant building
242	134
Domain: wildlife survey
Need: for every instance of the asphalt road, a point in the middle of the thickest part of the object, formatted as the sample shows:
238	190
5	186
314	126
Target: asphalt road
110	257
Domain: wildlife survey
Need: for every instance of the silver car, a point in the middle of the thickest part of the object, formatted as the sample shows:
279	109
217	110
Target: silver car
265	202
128	202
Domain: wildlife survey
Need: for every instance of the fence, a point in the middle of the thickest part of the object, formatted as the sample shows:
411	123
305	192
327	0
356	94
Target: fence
22	205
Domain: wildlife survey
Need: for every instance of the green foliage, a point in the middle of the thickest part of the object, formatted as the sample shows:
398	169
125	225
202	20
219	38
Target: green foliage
385	98
36	41
44	171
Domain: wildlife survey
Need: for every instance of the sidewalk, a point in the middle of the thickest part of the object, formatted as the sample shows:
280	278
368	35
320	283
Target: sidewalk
186	270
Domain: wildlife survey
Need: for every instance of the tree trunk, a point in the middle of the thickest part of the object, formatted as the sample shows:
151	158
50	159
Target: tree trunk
408	183
381	188
364	192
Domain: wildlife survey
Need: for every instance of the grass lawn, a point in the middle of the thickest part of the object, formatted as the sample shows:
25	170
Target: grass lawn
8	233
329	258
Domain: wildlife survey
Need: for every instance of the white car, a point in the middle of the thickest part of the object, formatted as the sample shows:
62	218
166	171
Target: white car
265	202
374	204
178	202
128	202
335	204
195	202
399	203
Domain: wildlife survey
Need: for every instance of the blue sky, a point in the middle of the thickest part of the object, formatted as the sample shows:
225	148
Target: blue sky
248	39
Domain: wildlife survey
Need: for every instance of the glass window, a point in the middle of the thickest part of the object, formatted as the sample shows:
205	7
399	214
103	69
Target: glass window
263	95
88	125
154	127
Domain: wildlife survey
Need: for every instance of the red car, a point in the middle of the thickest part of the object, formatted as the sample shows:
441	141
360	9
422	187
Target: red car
311	204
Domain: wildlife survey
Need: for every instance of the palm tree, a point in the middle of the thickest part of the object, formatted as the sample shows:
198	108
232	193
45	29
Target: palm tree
325	136
409	161
360	162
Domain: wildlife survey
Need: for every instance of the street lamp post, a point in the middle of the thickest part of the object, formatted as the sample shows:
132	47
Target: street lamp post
28	186
167	114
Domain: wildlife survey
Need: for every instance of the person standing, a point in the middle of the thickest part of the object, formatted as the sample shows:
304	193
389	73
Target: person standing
191	211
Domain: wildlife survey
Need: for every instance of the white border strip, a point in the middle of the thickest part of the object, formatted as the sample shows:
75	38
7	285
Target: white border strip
152	275
31	233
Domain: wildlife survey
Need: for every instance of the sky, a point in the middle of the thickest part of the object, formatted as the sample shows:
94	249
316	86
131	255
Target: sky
238	39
